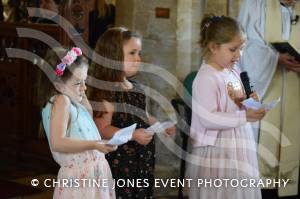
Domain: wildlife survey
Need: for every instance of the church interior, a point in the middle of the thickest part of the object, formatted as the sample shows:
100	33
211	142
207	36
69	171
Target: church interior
170	30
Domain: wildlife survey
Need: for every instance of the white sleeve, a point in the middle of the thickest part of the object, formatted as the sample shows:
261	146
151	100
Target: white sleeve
244	13
258	58
260	61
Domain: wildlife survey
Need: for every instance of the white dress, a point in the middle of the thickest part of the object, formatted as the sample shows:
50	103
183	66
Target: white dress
87	172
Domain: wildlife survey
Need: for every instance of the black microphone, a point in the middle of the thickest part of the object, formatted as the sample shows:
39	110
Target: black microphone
246	83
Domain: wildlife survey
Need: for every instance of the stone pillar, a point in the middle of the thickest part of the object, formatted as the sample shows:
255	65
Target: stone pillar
188	31
184	37
217	7
198	10
222	7
234	7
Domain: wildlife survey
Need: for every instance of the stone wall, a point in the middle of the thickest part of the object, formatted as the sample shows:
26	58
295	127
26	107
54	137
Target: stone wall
222	7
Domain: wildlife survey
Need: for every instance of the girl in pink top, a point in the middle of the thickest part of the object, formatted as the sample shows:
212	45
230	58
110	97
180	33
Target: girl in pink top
224	150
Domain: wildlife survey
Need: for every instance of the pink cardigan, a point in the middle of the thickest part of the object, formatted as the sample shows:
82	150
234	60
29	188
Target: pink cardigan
213	110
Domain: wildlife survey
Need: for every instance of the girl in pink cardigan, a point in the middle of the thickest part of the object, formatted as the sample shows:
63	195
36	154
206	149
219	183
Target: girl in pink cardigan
224	150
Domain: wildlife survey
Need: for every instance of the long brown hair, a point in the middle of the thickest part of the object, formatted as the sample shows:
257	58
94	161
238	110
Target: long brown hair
110	48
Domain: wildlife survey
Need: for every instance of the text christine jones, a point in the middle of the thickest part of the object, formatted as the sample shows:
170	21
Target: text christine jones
225	182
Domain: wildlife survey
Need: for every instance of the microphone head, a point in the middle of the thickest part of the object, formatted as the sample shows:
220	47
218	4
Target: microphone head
244	76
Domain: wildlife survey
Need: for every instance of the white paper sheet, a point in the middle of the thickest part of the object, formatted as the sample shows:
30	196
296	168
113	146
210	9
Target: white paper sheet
158	127
251	103
122	136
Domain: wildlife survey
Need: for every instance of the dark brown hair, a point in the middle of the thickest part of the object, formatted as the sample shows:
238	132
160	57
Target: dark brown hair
53	57
110	48
218	29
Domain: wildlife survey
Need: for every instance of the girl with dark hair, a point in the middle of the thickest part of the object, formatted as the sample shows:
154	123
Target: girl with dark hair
124	103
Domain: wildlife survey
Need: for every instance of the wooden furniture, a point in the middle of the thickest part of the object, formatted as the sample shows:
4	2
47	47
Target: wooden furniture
10	189
24	143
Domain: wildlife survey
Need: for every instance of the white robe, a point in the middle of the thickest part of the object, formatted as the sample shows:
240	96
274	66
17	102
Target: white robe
260	60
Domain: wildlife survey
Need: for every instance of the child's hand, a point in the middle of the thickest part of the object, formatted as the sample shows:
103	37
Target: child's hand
170	131
105	148
255	115
141	137
254	96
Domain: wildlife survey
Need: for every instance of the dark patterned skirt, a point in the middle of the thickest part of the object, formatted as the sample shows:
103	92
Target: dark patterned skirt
132	167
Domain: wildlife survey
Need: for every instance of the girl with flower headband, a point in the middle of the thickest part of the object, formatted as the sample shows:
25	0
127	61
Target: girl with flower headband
223	143
73	137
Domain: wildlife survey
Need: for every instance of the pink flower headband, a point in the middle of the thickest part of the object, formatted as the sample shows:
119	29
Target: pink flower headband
67	60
